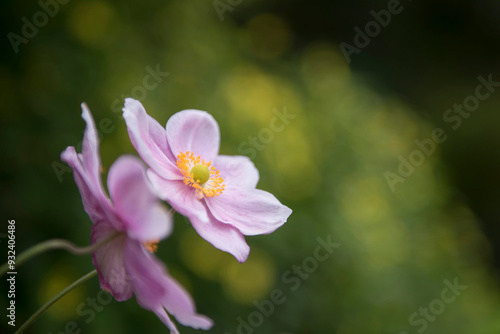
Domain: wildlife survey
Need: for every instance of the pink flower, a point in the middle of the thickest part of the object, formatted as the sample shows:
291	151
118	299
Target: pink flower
216	192
136	218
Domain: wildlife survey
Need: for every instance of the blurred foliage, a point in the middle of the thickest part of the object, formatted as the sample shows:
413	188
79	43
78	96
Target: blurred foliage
327	164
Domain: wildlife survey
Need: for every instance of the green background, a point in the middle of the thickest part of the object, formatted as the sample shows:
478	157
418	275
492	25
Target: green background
351	123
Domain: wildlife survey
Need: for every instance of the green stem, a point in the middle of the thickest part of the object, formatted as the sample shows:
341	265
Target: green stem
55	244
53	300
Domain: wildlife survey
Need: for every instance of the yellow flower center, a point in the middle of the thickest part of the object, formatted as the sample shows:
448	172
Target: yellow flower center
200	175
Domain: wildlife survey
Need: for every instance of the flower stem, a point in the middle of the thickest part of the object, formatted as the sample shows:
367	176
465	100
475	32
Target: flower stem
53	300
54	244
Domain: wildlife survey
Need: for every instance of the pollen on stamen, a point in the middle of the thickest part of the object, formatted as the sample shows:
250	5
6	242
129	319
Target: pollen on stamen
151	246
207	180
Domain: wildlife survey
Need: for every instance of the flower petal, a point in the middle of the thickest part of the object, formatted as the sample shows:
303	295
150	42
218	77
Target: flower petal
179	303
150	140
195	131
252	211
109	262
90	149
145	275
181	197
160	313
222	236
143	216
237	171
86	171
155	289
92	205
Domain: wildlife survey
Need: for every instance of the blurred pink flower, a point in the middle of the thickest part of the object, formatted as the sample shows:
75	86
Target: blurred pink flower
138	219
216	192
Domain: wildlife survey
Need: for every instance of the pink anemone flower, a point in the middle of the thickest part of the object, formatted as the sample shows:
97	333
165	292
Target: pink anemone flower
133	221
216	192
